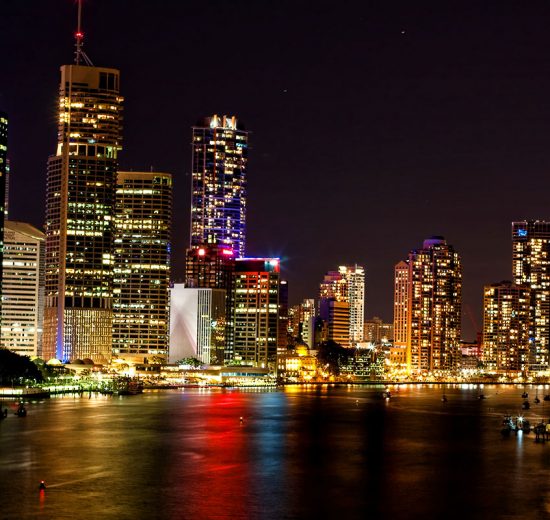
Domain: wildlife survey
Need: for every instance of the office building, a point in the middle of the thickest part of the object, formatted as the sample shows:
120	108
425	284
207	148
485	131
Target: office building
401	311
283	338
506	321
218	194
336	315
141	265
4	175
212	267
23	289
428	292
197	324
531	268
256	311
80	211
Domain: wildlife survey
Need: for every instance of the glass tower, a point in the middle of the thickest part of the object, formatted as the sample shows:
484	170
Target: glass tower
80	205
218	198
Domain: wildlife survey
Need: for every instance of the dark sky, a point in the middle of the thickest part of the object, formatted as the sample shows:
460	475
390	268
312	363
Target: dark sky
374	123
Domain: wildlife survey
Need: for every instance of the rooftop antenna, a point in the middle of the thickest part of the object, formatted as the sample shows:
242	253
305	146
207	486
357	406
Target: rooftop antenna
80	55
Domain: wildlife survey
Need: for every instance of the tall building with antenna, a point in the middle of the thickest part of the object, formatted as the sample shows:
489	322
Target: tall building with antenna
80	208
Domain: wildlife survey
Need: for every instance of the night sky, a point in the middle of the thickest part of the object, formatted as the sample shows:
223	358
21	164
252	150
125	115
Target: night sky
375	124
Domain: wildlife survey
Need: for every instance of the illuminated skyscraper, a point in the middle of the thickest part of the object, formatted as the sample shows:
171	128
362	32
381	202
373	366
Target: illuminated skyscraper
23	288
506	327
4	170
531	267
142	265
283	337
347	285
355	280
401	311
80	209
218	195
256	311
428	298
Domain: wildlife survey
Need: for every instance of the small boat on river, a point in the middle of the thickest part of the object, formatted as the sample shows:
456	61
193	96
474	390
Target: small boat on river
515	424
129	387
21	411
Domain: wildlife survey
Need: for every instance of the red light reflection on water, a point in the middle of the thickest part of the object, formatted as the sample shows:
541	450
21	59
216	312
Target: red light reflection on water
214	484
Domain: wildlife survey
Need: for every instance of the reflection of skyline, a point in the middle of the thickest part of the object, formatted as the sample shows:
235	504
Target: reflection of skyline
318	452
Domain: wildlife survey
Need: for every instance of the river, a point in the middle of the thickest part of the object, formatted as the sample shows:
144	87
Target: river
321	452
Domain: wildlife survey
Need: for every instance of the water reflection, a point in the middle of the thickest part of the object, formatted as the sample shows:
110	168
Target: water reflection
316	452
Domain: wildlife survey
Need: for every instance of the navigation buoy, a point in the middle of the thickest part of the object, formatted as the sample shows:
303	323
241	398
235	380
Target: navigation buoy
42	486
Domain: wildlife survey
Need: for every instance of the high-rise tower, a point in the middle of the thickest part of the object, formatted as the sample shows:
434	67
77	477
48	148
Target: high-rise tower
531	267
506	327
23	288
80	204
142	265
428	297
218	196
347	285
4	170
256	311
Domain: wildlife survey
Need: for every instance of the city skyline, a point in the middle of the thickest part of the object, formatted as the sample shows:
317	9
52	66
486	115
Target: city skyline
402	123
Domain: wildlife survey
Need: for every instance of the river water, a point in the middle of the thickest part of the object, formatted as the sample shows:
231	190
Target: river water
318	452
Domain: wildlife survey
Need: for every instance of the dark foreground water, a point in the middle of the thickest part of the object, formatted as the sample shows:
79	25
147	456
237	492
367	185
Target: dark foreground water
325	452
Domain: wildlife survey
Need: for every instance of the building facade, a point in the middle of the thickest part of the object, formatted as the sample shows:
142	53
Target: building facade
197	324
347	285
401	311
336	315
23	289
213	267
506	324
431	293
377	332
218	194
80	210
141	265
4	176
256	311
531	268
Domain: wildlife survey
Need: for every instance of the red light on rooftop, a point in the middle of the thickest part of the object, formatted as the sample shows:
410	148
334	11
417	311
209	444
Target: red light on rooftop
202	252
227	252
79	35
